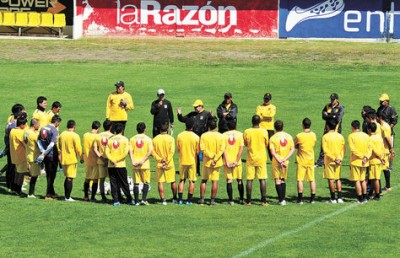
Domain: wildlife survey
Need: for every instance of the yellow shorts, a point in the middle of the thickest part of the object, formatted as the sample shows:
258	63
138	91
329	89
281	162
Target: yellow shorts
141	176
279	172
103	170
305	173
259	172
22	167
70	170
92	172
375	171
332	172
210	173
233	173
165	175
357	173
34	170
386	165
188	172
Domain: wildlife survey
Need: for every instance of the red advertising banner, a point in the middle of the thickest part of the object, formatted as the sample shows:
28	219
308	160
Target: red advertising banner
218	18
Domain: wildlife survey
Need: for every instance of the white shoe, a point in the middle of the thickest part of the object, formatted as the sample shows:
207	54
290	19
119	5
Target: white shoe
340	200
282	203
174	201
31	196
69	199
331	201
164	203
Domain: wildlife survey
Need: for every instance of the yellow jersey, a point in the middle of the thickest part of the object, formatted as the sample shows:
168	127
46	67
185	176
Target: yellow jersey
333	147
69	147
378	149
140	145
116	112
305	142
188	144
359	148
89	155
267	114
212	143
164	149
31	148
234	142
116	151
101	143
41	116
256	141
386	136
17	146
281	143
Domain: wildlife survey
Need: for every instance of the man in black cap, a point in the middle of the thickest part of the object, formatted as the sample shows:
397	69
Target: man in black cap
332	111
226	111
118	103
161	109
266	112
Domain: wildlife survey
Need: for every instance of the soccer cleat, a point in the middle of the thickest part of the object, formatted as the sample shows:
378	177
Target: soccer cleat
312	202
144	203
340	200
364	201
387	189
31	196
231	203
48	198
300	202
376	198
264	204
212	203
164	203
331	201
115	204
282	203
357	202
188	203
241	202
201	202
132	203
86	199
247	203
93	200
69	199
180	202
174	201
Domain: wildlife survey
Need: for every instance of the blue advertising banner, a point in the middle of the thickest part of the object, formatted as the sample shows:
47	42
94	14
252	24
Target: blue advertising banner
333	19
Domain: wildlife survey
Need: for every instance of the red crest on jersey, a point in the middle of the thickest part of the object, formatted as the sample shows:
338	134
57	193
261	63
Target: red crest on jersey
43	134
283	142
115	144
139	143
104	141
231	140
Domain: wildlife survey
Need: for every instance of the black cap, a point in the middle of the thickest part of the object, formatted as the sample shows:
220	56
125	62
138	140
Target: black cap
120	84
267	96
228	95
334	96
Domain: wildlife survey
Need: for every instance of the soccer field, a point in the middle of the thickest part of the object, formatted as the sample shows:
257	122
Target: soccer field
300	75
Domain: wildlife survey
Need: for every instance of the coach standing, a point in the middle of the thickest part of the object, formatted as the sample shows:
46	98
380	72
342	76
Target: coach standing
161	109
332	111
118	103
226	111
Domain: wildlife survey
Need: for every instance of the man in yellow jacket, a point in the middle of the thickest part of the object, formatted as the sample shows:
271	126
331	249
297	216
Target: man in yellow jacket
69	150
118	104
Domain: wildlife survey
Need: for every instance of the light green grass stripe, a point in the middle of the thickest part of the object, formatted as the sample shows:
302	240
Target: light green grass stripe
294	231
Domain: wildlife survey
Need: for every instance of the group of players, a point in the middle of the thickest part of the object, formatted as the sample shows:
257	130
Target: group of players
216	145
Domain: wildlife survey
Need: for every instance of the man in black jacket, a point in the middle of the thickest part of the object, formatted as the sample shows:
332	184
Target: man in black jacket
162	111
226	111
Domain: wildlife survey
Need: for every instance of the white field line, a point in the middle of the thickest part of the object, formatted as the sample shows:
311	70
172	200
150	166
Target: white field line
295	231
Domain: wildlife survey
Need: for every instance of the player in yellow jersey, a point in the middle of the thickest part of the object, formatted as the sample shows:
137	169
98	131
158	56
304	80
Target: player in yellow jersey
141	147
188	146
360	152
163	153
90	157
40	112
371	118
102	162
18	156
305	142
117	150
55	110
334	150
119	103
69	150
267	112
212	144
282	147
388	149
376	160
32	152
256	140
233	160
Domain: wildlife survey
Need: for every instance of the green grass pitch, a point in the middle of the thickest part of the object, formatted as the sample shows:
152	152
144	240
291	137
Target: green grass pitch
300	75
